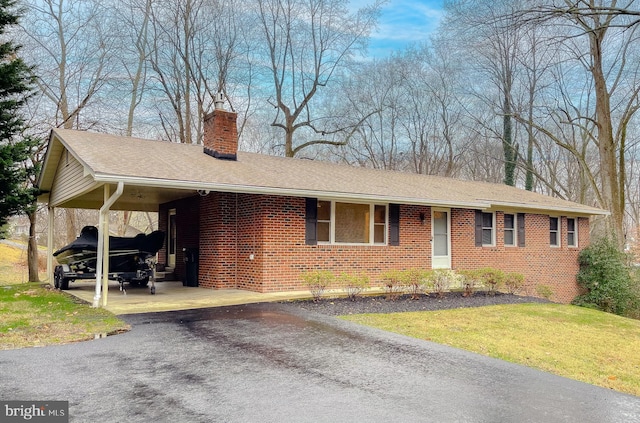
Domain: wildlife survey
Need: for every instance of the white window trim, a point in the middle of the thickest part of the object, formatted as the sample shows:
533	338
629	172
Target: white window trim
559	232
575	233
514	229
493	230
332	224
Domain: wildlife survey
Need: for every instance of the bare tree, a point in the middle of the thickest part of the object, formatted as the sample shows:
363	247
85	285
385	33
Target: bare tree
494	45
307	43
72	44
608	58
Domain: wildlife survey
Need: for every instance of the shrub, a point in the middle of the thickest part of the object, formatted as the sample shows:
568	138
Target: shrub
492	279
415	280
544	291
317	281
514	282
606	279
392	280
471	280
353	285
442	279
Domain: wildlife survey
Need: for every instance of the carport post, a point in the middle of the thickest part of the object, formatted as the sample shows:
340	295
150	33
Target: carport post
50	232
102	259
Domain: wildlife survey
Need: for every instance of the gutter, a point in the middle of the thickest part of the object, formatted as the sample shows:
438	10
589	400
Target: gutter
481	204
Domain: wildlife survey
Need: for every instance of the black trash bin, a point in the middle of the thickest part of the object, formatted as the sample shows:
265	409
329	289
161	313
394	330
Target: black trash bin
191	264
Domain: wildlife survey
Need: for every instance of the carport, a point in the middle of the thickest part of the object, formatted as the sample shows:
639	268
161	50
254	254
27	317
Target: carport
173	296
75	174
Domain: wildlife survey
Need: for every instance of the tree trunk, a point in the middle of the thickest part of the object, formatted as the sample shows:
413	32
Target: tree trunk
32	249
507	144
606	144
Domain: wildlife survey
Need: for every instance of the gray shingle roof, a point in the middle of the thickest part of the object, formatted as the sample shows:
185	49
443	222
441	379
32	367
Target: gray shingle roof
111	158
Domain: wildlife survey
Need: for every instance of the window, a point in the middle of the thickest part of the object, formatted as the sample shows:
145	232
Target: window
554	231
324	221
484	229
510	230
487	229
572	232
351	223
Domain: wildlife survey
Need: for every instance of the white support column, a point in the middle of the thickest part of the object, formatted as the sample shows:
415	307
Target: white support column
104	229
102	259
50	232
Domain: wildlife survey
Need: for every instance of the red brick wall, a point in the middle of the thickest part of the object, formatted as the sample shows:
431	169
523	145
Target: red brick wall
236	227
541	264
187	230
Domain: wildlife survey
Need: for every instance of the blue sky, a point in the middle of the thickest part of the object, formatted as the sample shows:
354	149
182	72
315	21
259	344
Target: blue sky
403	22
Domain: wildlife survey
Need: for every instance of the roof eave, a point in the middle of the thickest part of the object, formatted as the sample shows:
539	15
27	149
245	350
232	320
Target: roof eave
254	189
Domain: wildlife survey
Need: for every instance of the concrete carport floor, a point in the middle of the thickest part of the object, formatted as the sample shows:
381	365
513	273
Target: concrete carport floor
275	363
171	295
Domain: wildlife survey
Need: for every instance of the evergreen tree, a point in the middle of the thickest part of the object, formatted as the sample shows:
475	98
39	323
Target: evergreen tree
16	82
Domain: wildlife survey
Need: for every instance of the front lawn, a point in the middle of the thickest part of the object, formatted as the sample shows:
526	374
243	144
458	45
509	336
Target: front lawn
33	314
574	342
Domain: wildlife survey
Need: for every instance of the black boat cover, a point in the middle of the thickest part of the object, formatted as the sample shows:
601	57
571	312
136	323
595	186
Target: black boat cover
88	240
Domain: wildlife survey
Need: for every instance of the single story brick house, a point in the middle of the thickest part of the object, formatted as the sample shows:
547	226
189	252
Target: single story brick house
256	222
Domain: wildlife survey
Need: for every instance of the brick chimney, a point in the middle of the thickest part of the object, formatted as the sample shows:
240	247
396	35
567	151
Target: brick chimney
220	132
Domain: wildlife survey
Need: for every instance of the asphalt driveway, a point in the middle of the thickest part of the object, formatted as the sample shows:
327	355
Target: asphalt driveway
265	363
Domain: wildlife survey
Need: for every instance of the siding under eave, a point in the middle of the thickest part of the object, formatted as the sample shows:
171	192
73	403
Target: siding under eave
70	180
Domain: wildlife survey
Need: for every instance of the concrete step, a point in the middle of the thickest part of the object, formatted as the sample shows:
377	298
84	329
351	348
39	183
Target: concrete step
166	275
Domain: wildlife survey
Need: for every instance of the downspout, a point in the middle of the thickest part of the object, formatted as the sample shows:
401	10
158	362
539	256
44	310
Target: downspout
50	232
103	243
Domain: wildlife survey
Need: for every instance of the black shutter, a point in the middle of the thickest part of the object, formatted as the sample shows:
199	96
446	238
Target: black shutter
394	224
311	233
478	228
521	238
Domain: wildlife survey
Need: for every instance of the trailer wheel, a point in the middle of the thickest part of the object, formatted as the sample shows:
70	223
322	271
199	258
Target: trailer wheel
57	276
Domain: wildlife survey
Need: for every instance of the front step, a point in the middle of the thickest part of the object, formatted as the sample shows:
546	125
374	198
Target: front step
166	275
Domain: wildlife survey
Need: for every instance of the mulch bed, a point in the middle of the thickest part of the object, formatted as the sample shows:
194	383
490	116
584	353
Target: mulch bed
379	304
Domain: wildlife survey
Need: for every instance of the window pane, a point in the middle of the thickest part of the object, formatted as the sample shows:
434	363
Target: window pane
380	214
553	223
324	210
323	231
352	223
440	245
571	225
571	239
508	238
508	221
553	238
378	234
487	238
487	220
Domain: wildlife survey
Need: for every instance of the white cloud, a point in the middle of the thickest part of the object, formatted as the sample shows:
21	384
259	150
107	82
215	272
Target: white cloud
406	21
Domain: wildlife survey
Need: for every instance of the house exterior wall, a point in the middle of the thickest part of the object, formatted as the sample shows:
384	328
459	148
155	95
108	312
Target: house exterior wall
69	180
187	233
257	242
555	267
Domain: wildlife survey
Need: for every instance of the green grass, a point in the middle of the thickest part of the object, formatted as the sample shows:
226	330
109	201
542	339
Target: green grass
33	314
574	342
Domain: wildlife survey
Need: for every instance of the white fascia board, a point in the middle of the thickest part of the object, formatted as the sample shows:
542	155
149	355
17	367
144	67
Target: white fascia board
545	209
252	189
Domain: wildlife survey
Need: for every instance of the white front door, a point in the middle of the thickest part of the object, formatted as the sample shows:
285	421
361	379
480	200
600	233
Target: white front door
171	240
440	238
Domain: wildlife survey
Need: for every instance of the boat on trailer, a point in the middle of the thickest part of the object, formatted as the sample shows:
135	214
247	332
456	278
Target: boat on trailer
131	259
